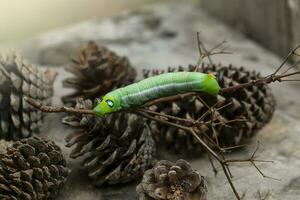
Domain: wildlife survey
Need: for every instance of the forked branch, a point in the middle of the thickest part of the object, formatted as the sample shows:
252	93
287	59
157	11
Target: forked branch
204	53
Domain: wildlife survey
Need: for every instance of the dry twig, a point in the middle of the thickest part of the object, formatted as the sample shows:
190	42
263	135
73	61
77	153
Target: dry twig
204	53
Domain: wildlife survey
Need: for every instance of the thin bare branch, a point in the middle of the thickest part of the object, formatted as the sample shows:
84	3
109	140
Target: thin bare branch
228	149
291	67
58	109
204	53
253	162
229	179
291	53
290	80
212	165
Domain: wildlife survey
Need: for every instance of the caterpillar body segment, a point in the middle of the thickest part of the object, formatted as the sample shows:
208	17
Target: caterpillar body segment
163	85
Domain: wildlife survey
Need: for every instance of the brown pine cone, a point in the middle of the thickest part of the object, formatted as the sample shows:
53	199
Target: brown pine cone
32	169
255	105
20	79
172	181
118	148
96	71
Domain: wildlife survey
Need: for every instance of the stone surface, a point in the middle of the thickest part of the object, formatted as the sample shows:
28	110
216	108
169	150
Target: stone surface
273	23
164	35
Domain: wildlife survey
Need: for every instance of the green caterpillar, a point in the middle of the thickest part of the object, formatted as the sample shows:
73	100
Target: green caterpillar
163	85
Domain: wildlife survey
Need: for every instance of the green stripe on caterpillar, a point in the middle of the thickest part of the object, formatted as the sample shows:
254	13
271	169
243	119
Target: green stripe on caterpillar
162	85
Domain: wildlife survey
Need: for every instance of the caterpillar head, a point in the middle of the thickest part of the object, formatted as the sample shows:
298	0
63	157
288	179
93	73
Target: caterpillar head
105	105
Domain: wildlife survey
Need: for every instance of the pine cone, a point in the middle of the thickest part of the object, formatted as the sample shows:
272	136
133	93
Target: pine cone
255	105
32	169
117	148
96	71
172	181
19	79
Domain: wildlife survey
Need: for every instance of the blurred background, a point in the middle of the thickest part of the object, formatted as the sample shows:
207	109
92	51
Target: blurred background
273	23
24	19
